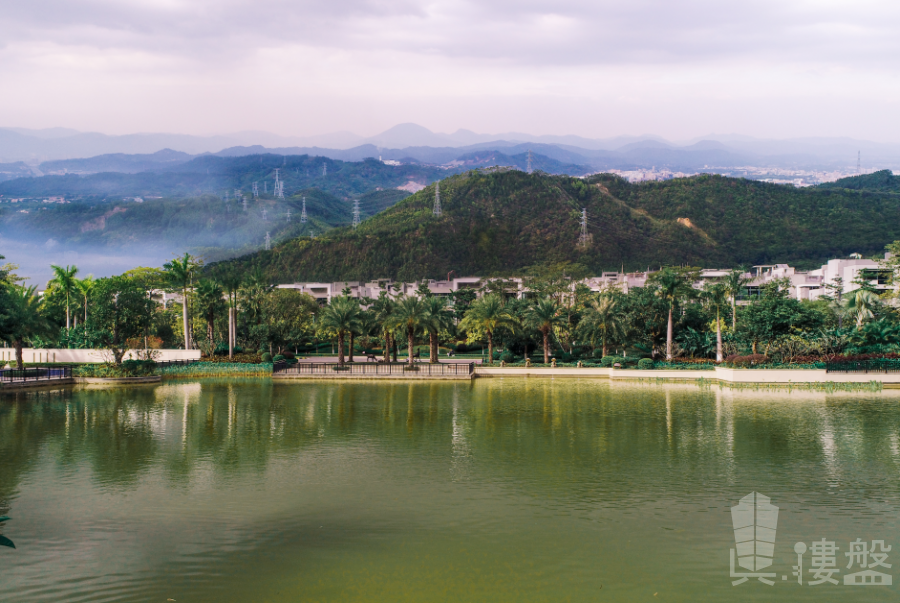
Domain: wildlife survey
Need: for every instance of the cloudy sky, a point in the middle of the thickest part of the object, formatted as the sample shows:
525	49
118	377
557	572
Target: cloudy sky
597	68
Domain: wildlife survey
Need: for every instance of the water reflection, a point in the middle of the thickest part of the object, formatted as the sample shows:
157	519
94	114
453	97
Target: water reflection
558	473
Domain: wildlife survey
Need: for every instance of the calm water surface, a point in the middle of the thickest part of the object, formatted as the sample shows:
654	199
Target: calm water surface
500	490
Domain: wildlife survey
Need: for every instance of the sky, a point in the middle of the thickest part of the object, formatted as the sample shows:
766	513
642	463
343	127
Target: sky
595	68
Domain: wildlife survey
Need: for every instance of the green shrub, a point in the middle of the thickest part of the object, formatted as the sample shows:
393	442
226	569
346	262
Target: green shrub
645	364
608	361
128	368
507	356
266	357
278	358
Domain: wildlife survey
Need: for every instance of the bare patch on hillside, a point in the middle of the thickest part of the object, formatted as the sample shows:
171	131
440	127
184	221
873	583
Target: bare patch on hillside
99	223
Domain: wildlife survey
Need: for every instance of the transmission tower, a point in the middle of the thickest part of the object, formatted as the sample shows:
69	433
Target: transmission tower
289	215
437	198
324	169
268	241
265	216
303	212
226	195
858	163
529	168
584	239
237	193
266	187
256	190
245	203
355	213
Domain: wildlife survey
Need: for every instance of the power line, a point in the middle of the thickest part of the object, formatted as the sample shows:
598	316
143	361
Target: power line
437	199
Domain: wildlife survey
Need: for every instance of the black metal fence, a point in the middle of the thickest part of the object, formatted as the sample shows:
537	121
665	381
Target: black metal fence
35	374
876	365
376	369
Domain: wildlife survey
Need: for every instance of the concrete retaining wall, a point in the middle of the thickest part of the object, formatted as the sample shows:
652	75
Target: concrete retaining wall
725	375
30	355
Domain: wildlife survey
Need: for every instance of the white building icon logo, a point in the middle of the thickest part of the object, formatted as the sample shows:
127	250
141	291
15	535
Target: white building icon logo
755	520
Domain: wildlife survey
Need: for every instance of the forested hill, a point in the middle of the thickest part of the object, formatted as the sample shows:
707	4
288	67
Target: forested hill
503	222
216	175
882	181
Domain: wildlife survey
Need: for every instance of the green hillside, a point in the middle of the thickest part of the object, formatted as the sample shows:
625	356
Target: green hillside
503	222
882	181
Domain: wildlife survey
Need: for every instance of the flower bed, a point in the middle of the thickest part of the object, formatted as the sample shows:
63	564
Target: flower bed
217	369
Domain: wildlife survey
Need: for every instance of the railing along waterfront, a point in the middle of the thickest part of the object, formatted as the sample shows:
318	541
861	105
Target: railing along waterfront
876	365
54	373
375	369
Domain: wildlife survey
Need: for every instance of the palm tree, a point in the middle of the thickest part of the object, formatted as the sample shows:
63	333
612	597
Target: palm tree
23	319
86	287
180	274
438	318
340	317
716	295
544	316
862	302
383	307
603	317
410	315
734	283
255	288
489	314
65	281
231	284
671	285
210	298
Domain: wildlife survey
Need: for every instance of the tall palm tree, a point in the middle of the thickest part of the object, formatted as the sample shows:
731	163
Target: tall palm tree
862	304
489	314
383	307
255	288
671	286
438	318
716	296
231	284
180	274
23	318
734	283
411	316
543	317
603	318
86	288
64	280
210	298
340	317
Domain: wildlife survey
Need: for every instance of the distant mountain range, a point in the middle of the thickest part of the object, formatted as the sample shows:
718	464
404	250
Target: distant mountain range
42	149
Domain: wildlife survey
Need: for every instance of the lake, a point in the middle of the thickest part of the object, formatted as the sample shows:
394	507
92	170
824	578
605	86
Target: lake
497	490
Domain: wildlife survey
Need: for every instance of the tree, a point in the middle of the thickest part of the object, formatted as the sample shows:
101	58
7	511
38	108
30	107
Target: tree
409	315
603	317
716	295
544	316
383	307
255	289
22	318
486	315
122	310
64	280
339	318
180	275
289	314
438	317
210	299
671	286
862	304
86	287
231	284
734	284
